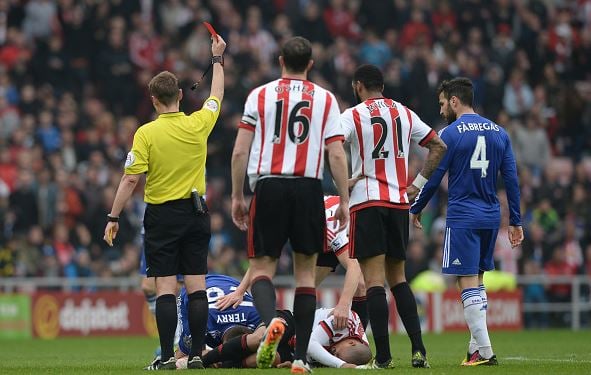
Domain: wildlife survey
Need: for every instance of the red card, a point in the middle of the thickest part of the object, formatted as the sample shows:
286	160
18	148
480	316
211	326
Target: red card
210	29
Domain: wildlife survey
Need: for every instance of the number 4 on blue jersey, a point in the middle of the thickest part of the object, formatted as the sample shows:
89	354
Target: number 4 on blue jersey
477	149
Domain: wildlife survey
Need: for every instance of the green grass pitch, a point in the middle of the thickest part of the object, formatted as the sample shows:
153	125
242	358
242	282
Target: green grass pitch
529	352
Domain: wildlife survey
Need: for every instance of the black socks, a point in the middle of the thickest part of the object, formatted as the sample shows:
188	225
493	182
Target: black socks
407	309
263	293
304	308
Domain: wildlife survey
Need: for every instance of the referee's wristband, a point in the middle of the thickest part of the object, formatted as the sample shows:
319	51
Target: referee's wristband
112	219
420	181
217	59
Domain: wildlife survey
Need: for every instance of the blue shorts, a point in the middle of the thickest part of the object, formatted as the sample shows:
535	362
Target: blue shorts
143	263
468	251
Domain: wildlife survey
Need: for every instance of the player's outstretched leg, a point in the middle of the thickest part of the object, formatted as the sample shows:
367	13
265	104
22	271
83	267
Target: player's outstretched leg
268	348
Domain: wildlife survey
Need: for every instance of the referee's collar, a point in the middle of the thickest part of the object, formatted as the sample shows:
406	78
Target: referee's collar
171	114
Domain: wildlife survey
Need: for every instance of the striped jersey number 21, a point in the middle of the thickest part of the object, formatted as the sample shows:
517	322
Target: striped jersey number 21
478	159
379	151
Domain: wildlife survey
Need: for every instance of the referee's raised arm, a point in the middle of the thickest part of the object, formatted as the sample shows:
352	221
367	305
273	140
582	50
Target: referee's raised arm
217	80
171	151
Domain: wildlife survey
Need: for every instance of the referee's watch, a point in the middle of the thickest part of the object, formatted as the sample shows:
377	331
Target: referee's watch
217	59
113	219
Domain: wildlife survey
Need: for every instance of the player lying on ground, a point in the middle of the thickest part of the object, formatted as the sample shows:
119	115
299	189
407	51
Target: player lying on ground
240	351
353	292
345	348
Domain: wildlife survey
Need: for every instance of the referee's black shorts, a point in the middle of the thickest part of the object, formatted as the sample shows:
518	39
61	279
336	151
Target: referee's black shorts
176	239
287	209
378	230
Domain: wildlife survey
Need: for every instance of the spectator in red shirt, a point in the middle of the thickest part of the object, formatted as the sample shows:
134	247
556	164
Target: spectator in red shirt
145	47
8	169
558	266
443	19
340	20
416	31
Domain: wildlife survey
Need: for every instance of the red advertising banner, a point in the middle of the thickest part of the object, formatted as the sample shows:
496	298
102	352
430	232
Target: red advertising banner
504	311
83	314
56	314
438	312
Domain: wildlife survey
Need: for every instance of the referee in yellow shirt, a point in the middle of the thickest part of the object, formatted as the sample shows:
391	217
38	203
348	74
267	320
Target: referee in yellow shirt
171	151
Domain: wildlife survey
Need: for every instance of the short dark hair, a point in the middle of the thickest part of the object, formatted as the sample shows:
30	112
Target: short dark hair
460	87
296	53
371	76
235	331
164	87
359	354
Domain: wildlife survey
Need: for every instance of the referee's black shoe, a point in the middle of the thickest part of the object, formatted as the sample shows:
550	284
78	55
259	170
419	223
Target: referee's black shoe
195	363
157	364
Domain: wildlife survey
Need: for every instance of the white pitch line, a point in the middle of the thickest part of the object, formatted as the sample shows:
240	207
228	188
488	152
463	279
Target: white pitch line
546	360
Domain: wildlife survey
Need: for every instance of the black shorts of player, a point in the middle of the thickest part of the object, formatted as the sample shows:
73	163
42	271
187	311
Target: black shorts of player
377	230
176	239
285	209
329	258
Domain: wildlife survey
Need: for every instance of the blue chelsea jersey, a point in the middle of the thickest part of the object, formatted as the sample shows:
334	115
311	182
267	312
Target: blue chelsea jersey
218	321
477	150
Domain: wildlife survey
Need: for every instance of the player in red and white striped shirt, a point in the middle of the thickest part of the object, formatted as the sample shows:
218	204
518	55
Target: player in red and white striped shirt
379	131
340	348
337	252
286	127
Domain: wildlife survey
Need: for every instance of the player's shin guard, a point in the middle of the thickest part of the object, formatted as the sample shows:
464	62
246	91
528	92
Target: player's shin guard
263	294
359	305
198	314
166	320
407	309
304	307
378	317
475	315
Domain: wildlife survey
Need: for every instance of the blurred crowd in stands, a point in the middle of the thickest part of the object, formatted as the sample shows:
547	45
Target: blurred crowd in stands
73	89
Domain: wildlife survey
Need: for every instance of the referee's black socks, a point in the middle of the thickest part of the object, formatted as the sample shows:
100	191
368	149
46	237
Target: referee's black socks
263	294
407	309
198	314
378	317
166	320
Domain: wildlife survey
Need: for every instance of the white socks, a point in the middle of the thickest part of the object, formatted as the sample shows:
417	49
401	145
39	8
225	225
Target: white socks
473	345
475	315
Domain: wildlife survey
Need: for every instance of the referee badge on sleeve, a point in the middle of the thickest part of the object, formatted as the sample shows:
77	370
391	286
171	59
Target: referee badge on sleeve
130	159
212	105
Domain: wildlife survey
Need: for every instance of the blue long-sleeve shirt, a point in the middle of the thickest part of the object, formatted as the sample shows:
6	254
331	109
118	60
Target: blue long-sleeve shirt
477	149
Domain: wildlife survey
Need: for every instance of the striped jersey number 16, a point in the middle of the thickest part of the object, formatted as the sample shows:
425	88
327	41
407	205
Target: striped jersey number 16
478	159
